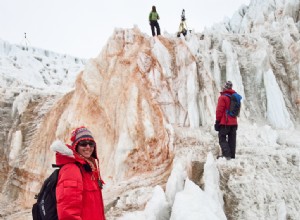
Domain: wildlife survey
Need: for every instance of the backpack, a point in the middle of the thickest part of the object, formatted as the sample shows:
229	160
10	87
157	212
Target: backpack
235	104
154	16
45	207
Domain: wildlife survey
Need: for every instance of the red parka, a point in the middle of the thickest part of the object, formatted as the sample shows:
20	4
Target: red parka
78	193
222	106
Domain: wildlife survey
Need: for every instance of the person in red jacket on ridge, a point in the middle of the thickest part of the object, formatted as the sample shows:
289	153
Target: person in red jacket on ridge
79	186
225	124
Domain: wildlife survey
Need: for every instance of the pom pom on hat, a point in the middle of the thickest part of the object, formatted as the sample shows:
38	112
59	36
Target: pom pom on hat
228	85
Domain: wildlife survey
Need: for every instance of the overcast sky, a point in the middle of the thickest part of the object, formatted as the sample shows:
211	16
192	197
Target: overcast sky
82	27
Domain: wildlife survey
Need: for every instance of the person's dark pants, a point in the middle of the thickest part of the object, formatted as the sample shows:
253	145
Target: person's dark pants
227	140
154	24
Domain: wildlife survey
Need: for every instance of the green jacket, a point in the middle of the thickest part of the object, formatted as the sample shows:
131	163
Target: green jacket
153	16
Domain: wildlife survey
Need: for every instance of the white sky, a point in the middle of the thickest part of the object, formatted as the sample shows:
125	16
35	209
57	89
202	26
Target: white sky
82	27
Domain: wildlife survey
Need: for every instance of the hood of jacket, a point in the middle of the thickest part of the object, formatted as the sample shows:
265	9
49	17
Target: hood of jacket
66	153
227	91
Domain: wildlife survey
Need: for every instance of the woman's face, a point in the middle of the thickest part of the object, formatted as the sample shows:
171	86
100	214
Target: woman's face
86	148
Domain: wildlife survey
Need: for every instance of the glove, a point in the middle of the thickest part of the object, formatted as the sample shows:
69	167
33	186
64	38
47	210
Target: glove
217	125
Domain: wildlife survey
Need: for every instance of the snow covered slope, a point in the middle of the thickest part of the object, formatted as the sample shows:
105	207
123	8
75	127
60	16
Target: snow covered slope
28	67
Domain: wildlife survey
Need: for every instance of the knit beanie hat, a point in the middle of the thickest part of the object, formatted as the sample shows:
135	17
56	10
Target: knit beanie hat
228	85
79	134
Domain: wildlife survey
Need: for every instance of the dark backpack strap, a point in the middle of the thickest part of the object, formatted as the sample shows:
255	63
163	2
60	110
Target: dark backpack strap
227	110
228	95
56	166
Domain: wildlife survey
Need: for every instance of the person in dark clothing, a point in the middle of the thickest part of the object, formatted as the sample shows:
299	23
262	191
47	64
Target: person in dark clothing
153	17
225	124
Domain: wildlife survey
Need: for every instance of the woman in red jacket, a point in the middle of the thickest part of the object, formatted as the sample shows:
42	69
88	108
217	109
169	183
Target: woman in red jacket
225	124
78	190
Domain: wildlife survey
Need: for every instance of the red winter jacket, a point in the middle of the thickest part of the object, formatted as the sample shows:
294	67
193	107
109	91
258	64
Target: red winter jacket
78	194
222	106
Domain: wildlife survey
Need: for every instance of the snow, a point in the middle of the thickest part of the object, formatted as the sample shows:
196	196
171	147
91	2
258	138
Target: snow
147	123
212	182
192	96
156	208
193	203
176	181
232	67
188	201
163	56
16	145
277	111
34	68
20	104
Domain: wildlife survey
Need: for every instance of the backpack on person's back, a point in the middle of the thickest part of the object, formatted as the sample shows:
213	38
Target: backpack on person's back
45	207
235	104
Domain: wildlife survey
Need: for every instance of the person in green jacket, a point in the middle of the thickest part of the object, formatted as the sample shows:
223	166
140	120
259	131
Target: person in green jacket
153	17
